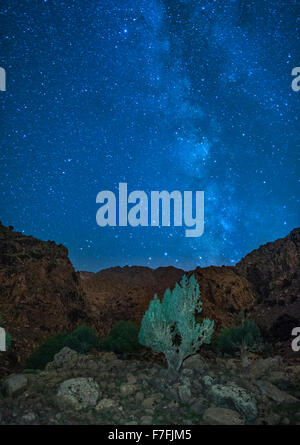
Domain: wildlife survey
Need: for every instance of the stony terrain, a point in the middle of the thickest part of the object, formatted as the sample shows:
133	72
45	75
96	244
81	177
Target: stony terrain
102	389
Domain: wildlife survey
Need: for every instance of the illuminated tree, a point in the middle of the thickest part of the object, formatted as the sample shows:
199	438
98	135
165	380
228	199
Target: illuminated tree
169	326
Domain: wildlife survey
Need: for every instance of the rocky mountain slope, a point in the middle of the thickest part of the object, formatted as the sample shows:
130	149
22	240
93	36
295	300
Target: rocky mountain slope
40	292
274	272
124	293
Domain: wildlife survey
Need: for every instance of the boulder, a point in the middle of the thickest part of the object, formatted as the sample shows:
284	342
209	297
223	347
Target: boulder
65	358
234	397
207	380
79	393
274	393
106	404
199	406
146	420
194	362
149	402
15	384
222	416
262	367
127	389
184	392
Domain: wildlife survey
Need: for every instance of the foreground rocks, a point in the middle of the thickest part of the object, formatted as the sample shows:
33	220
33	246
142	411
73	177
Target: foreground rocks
102	389
80	393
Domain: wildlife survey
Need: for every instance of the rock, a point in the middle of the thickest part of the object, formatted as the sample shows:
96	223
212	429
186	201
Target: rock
127	389
207	380
187	372
146	420
279	379
149	402
261	367
65	358
108	356
184	392
274	393
106	404
222	416
15	384
131	379
29	417
139	397
194	362
273	419
78	393
234	397
199	406
231	364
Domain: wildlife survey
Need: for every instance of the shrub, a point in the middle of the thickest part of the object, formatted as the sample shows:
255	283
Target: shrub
8	340
123	338
46	352
170	327
82	340
243	338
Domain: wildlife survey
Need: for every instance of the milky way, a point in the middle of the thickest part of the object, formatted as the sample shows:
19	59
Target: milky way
163	95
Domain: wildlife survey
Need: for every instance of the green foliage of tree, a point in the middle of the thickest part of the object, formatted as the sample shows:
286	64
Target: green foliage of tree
8	340
122	338
169	326
82	340
243	338
46	352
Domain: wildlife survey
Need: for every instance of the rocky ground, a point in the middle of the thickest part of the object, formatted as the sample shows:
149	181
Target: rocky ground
102	389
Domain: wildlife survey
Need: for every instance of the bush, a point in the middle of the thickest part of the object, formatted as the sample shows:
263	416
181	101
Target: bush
243	338
81	340
170	327
8	340
46	352
123	338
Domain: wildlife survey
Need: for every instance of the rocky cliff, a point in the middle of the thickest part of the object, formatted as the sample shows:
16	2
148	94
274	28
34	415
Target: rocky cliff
274	272
40	292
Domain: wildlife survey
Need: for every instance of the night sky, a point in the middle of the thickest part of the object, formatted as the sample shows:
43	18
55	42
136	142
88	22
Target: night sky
161	94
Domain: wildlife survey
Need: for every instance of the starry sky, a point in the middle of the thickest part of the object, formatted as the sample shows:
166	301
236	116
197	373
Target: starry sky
163	95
